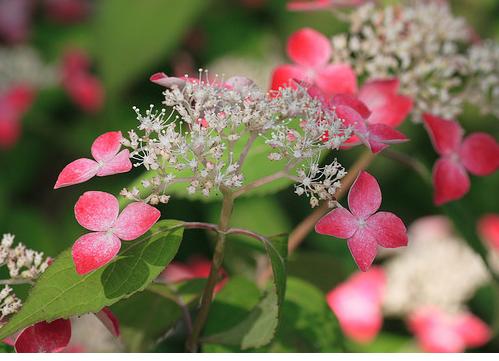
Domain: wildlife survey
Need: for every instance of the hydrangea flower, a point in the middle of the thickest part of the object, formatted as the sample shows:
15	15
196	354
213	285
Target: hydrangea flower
478	153
55	336
438	331
357	304
364	227
355	114
84	88
107	160
99	213
488	228
13	104
310	52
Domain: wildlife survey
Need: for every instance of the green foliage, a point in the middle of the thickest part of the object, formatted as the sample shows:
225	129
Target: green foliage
61	292
142	32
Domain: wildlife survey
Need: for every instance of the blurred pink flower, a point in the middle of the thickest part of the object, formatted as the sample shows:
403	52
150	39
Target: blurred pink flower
13	104
99	213
67	11
108	160
311	52
84	88
488	228
310	5
15	20
195	267
357	304
478	153
364	228
438	331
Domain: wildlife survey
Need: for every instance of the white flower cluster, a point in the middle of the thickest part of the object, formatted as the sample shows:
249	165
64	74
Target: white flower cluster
214	126
24	265
22	65
420	43
437	269
483	86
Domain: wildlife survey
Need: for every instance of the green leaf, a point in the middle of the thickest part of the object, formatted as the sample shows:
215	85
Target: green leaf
307	324
258	327
61	292
142	32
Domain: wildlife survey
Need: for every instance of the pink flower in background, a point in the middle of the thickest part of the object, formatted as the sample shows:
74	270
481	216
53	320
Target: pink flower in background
84	88
67	11
195	267
310	52
99	213
478	153
108	160
55	336
364	228
488	228
357	304
354	113
438	331
13	104
310	5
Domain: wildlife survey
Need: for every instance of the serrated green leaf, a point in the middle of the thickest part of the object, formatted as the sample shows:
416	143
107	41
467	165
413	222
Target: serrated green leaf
258	327
61	292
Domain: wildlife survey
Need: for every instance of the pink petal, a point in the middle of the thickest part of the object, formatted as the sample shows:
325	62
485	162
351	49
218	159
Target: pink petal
135	220
381	135
364	197
10	130
388	229
360	318
363	247
76	172
336	79
86	91
177	272
309	48
167	81
474	332
96	211
488	228
307	5
119	164
357	304
479	154
108	319
44	337
446	135
20	97
337	223
435	331
352	102
106	146
386	105
93	250
284	75
450	181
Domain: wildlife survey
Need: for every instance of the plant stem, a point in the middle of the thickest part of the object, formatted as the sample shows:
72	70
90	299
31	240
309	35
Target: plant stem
218	256
259	182
301	231
16	282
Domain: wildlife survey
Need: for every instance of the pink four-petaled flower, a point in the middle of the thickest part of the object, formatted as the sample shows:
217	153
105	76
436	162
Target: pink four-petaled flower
357	304
363	227
311	51
99	213
108	160
438	331
478	153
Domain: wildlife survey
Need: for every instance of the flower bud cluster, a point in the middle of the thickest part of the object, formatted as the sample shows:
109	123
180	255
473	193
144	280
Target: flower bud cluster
213	127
